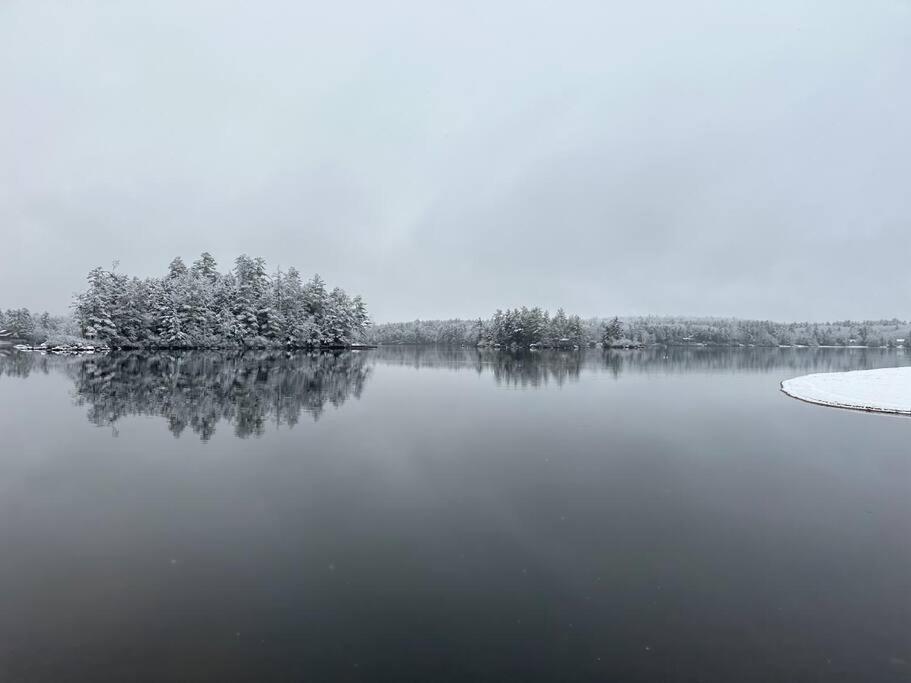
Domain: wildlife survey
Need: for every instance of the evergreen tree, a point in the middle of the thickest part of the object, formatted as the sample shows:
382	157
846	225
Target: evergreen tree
611	332
177	268
21	323
94	307
201	307
205	267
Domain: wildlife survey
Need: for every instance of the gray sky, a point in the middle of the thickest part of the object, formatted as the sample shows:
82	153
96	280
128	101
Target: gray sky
446	159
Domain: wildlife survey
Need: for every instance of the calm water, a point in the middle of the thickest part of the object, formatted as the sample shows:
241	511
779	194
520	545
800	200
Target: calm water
435	514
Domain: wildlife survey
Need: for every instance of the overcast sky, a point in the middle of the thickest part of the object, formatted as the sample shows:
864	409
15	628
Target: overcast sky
445	159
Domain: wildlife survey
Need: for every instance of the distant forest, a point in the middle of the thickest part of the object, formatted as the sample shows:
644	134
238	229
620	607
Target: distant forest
200	307
524	327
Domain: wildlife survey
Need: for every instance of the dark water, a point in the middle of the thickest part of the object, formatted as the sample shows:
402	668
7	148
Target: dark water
435	514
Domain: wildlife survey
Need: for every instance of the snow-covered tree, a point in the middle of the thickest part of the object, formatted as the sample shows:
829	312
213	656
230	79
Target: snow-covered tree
205	267
94	307
611	331
177	268
20	323
199	307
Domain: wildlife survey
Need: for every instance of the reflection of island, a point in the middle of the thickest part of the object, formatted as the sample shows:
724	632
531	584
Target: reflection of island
529	368
521	368
532	368
199	389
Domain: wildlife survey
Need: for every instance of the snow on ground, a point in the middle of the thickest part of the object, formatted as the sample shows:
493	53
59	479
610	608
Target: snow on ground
885	390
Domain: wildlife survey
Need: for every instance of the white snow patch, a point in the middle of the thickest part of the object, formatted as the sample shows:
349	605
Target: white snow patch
887	390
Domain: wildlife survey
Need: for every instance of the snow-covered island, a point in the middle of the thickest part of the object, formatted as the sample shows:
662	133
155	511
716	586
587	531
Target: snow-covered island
886	390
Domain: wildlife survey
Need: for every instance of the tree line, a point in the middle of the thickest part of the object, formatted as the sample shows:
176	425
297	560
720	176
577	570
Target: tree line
200	307
524	327
20	324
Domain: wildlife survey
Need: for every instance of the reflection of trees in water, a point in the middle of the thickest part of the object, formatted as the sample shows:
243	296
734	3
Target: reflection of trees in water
677	359
429	356
534	368
199	389
516	368
15	363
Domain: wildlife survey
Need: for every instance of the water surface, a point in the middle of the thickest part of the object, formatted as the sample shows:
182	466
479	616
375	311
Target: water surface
428	514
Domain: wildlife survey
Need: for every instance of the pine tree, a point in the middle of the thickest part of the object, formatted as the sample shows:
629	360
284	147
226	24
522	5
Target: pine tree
611	332
201	307
248	273
205	267
21	324
559	327
360	318
94	307
177	268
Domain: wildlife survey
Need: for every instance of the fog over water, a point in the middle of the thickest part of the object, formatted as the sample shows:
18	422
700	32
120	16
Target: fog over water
628	158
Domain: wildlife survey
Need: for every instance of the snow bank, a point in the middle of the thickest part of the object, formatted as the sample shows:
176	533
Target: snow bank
887	390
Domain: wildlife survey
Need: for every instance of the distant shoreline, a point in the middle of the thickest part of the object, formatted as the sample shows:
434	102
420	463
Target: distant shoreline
89	349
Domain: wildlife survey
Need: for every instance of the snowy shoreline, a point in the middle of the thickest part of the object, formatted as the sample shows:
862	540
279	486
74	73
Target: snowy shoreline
83	349
885	390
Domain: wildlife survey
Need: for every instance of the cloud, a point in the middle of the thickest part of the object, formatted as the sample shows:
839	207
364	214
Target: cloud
444	161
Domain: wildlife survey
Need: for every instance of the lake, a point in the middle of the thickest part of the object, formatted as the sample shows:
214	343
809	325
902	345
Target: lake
440	514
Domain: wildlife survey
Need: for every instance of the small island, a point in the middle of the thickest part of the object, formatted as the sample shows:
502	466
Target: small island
885	390
197	307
